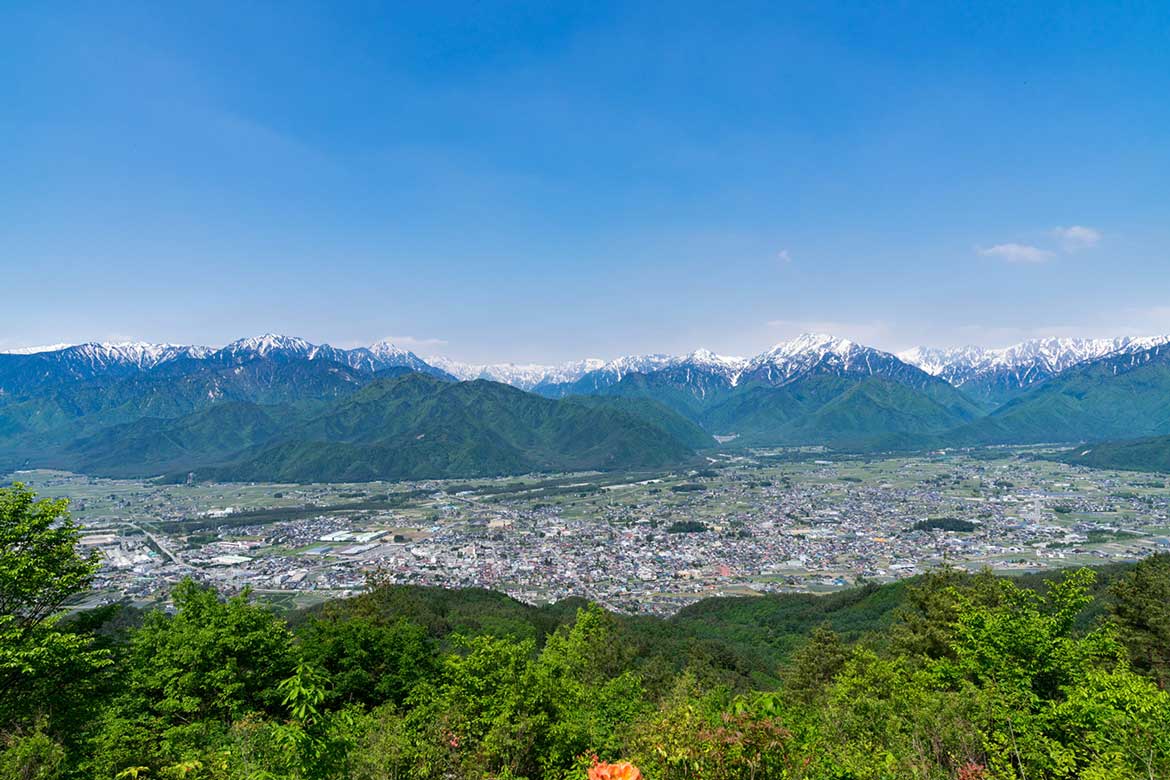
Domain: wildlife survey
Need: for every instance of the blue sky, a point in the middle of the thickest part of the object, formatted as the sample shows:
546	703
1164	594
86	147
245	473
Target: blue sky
546	181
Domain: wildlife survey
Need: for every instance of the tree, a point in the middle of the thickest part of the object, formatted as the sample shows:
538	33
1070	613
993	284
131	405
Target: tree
313	743
1141	612
1054	703
40	569
593	695
926	621
368	663
33	756
487	714
815	664
190	676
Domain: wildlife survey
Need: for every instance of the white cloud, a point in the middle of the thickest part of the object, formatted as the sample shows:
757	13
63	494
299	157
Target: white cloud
1018	253
783	256
1075	237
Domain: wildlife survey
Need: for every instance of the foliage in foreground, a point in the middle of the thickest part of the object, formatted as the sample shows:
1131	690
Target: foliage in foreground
978	677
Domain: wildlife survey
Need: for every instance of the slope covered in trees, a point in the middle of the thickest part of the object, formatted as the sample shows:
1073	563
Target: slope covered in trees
401	425
1149	454
949	676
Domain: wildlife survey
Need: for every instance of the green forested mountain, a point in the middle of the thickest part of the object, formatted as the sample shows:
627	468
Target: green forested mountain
879	402
313	421
841	412
418	427
946	676
814	390
155	445
1149	454
688	392
1116	398
289	417
36	421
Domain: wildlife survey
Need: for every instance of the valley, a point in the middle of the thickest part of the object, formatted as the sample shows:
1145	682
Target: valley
760	521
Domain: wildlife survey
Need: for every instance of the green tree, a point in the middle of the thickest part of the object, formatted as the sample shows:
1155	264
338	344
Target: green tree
815	664
40	569
1141	611
368	663
487	713
593	694
31	756
1049	700
313	743
385	750
189	676
927	619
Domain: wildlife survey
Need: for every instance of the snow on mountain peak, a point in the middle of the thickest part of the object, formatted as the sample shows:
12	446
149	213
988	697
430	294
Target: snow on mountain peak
935	361
705	357
1024	363
35	350
388	349
811	343
1031	360
522	375
269	343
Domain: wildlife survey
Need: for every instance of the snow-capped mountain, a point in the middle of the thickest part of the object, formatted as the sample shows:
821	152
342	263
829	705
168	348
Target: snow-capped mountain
995	375
26	371
86	360
608	374
938	361
128	353
1052	355
788	360
377	357
268	345
725	364
990	376
35	350
523	375
824	354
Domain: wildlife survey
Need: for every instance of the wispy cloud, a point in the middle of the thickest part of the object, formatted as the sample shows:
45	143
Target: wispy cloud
1077	237
784	257
1018	253
1072	238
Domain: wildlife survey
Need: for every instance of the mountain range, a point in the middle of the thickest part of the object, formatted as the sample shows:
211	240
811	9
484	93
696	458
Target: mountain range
282	408
995	376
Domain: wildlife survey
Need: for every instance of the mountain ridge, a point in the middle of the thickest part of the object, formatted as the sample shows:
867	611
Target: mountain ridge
284	407
1022	364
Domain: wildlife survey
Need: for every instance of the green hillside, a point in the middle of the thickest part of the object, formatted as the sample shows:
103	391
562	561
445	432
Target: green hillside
46	422
419	427
154	446
1150	454
307	422
1101	401
689	396
837	411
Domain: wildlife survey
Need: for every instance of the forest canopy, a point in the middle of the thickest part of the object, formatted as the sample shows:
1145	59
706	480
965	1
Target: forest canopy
949	676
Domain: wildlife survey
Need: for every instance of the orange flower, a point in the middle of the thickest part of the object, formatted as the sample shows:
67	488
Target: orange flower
623	771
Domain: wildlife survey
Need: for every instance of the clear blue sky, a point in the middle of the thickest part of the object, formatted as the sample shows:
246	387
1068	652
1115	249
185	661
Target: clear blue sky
528	182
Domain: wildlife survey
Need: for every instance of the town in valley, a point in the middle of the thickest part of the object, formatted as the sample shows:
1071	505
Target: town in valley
753	522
